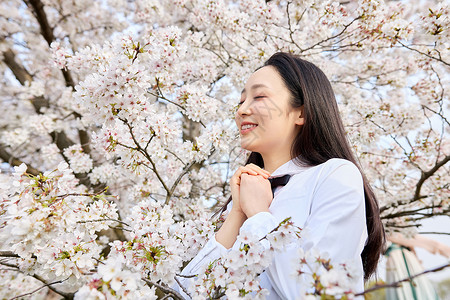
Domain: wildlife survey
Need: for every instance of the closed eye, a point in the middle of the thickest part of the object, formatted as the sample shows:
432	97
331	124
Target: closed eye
257	97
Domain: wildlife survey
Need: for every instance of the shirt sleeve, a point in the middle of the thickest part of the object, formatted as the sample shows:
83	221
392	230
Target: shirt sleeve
336	225
210	252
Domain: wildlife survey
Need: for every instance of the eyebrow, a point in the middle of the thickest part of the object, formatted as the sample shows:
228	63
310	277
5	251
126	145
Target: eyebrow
255	86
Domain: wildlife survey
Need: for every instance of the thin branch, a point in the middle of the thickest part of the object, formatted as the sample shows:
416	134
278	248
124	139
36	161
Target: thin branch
12	161
177	181
68	296
397	283
146	155
334	36
427	55
14	267
438	113
8	254
39	288
102	220
186	276
166	290
434	232
417	211
291	33
428	174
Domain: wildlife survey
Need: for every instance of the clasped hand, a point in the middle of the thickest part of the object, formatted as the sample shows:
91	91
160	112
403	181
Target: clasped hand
250	190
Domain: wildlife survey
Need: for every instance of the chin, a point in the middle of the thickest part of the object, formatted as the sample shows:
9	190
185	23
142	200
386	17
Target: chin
249	146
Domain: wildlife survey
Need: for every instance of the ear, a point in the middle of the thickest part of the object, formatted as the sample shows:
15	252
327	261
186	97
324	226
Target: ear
299	116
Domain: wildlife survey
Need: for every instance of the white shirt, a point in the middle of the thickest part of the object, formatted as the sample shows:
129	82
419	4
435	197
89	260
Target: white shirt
328	199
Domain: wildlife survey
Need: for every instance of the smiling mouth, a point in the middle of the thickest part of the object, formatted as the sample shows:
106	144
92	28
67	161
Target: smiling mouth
248	127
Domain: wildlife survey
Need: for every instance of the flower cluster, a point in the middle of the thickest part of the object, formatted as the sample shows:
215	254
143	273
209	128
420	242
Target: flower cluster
320	277
79	162
52	225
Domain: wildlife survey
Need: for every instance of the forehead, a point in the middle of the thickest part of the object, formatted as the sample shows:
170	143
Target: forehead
266	77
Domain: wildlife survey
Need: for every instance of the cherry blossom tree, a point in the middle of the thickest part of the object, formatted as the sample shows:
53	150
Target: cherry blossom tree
117	117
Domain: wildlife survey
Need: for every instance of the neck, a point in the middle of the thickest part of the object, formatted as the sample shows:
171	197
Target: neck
273	162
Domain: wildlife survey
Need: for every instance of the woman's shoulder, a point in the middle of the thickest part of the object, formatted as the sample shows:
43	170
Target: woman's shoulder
341	170
335	163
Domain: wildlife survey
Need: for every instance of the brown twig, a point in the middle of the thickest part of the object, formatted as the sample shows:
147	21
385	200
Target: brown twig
39	288
397	283
166	290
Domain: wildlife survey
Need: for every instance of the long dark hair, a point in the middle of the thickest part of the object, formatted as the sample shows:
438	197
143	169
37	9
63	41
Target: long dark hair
323	137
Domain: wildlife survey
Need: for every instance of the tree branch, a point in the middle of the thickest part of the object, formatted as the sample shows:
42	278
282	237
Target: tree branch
397	283
37	8
8	254
23	76
39	288
427	55
67	296
166	290
428	174
11	160
19	72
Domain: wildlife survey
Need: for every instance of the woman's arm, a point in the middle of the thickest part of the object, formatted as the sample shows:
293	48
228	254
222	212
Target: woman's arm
230	229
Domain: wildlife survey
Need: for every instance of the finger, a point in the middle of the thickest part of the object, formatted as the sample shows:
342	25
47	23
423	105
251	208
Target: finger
247	170
258	168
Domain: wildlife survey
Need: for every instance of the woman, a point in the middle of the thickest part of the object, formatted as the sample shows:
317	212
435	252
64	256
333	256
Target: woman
288	118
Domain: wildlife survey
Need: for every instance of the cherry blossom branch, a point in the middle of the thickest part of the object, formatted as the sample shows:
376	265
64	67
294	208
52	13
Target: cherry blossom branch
397	283
23	76
62	197
166	290
416	212
425	175
37	8
434	232
11	160
145	153
68	296
291	33
8	254
423	53
19	71
334	36
177	181
102	220
39	288
285	221
186	276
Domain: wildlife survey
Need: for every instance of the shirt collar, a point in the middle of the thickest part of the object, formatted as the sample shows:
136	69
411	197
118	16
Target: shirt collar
287	168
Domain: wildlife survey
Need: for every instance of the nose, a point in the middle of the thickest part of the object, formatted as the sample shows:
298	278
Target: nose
244	109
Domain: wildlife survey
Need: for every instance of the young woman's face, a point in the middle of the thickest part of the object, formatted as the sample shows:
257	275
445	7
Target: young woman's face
265	118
